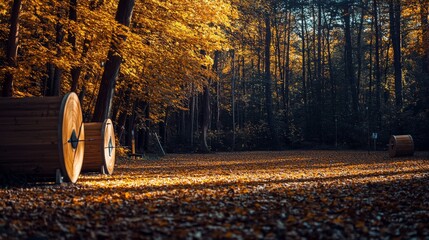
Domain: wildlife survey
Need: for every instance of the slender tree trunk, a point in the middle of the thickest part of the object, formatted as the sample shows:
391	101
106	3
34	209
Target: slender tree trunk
319	104
218	94
370	88
424	13
117	107
283	61
331	75
287	64
75	72
217	70
395	36
123	115
218	101
303	69
162	131
268	93
111	68
147	128
310	90
244	88
350	75
197	113
237	92
192	116
182	126
233	98
140	141
122	119
377	69
131	125
333	84
206	119
279	74
359	51
12	48
56	73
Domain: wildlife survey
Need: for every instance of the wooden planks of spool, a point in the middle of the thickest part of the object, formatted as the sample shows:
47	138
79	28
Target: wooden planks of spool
99	147
401	145
42	137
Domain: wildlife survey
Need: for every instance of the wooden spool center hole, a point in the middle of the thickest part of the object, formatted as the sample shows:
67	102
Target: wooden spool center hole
73	140
110	147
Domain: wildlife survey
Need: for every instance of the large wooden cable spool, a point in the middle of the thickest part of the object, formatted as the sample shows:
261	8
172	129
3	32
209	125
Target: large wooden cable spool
100	147
42	137
401	145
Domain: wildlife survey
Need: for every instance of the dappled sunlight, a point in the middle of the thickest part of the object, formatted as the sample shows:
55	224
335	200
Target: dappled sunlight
290	193
212	171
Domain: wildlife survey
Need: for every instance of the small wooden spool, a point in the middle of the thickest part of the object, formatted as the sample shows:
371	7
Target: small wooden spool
42	137
401	145
100	147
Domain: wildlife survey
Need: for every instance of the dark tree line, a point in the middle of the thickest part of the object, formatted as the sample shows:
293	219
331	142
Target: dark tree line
319	73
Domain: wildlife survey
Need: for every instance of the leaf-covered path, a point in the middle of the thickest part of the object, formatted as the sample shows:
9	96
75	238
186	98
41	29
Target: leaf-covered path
252	195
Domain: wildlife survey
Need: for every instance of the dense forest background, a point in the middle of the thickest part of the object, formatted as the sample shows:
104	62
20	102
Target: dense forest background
216	75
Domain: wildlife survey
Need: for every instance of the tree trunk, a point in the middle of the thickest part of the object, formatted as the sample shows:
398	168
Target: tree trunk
182	126
243	82
192	116
162	132
350	75
12	48
287	64
58	75
49	83
75	71
123	115
131	125
205	119
377	69
331	75
304	72
233	98
111	68
218	72
55	77
359	51
424	12
278	73
370	113
268	93
319	105
147	128
122	119
395	36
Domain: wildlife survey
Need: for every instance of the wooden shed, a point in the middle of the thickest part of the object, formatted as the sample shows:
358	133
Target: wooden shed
42	137
401	145
100	147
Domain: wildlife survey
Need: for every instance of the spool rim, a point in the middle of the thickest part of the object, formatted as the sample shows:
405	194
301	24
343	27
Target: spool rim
108	146
70	154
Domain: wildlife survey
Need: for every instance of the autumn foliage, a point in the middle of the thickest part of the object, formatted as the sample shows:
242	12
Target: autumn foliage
250	195
229	75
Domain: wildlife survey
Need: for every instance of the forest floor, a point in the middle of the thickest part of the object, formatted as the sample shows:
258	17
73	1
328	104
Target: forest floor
249	195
